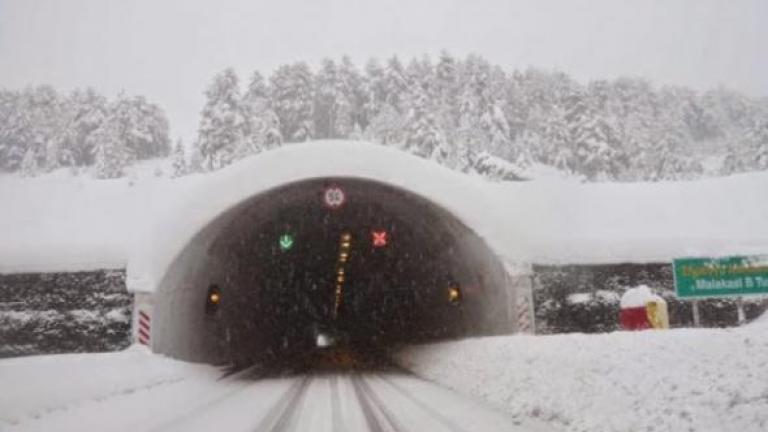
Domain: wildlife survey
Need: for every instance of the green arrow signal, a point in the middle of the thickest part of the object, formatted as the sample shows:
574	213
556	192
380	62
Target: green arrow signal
286	242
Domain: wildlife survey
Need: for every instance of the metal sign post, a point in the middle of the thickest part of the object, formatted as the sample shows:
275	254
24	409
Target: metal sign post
696	314
742	318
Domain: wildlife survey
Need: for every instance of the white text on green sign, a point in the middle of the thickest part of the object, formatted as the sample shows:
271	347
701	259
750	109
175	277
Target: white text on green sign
717	277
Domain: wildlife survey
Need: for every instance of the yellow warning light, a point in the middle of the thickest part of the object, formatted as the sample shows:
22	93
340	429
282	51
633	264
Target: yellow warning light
340	278
346	237
454	294
345	245
214	298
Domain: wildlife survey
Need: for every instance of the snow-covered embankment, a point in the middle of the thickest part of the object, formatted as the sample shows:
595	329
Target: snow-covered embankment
46	386
677	380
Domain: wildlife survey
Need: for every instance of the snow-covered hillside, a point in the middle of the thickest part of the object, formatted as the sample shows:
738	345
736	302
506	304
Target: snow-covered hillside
58	222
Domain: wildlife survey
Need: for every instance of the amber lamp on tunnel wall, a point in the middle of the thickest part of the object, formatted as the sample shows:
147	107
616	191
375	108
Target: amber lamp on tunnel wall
213	299
454	294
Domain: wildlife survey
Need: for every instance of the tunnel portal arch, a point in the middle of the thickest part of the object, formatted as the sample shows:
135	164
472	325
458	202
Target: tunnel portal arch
235	249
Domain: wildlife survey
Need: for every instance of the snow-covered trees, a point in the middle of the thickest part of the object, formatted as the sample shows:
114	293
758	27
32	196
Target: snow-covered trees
386	127
41	130
262	126
222	124
179	160
593	140
110	155
141	127
88	110
456	111
15	131
335	100
423	135
292	99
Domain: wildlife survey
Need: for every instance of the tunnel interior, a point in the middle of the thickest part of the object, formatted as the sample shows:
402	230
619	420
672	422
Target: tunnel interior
328	262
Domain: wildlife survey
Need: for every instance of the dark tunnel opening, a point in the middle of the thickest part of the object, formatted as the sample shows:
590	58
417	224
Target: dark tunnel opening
295	276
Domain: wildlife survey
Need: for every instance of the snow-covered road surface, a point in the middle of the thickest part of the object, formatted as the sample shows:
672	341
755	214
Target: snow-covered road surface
192	398
342	402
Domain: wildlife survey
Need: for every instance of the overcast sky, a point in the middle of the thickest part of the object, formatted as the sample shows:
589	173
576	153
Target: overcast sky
169	50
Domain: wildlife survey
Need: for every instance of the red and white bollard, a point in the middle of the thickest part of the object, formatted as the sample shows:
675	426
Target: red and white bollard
143	331
641	309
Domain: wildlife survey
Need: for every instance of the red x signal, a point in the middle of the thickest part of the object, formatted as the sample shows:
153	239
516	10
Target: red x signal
379	238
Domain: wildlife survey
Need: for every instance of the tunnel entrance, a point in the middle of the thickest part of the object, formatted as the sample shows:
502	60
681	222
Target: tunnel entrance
328	262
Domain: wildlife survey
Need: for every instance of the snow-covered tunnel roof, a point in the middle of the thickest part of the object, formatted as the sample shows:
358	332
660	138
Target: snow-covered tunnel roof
59	222
467	198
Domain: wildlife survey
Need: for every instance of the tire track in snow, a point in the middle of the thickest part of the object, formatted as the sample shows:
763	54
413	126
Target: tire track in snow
432	412
336	420
287	409
212	401
365	405
370	403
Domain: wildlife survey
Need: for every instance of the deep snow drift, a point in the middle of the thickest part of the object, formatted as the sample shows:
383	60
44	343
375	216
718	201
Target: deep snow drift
59	222
675	380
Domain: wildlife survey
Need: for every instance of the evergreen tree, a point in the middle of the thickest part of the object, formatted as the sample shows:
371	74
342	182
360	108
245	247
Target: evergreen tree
262	127
422	135
179	160
141	127
447	94
354	91
16	133
357	133
222	126
53	157
758	144
331	106
386	127
374	89
110	155
592	139
292	100
196	159
394	85
88	110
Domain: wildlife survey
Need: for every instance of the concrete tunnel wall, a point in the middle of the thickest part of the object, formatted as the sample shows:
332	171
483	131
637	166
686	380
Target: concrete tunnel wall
182	330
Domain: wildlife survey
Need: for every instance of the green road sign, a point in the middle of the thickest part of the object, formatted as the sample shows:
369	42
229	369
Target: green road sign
718	277
286	242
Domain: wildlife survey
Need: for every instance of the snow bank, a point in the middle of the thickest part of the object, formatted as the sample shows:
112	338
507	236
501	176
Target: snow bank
677	380
59	222
37	386
604	223
761	321
65	223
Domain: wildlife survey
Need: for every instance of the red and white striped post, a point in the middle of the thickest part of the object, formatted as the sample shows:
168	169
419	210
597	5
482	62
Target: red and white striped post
143	331
524	319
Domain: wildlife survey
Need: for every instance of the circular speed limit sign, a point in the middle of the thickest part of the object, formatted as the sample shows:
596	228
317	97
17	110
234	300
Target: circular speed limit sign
334	197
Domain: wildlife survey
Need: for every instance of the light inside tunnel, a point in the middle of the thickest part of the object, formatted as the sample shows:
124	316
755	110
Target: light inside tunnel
340	280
